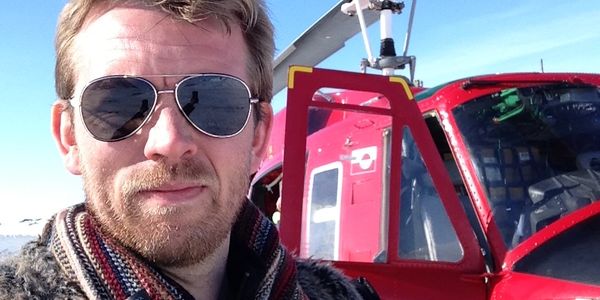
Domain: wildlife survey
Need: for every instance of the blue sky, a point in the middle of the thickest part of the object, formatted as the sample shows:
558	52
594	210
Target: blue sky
451	39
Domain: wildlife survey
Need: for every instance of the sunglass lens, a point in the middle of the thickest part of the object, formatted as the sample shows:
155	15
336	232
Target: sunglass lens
114	108
217	105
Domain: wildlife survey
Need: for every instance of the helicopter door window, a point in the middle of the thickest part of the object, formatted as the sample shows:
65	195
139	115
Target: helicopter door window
323	217
426	232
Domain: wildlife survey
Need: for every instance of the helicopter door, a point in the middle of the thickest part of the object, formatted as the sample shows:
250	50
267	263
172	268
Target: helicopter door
420	232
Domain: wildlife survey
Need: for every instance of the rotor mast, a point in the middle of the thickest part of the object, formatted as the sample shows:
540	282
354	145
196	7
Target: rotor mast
387	61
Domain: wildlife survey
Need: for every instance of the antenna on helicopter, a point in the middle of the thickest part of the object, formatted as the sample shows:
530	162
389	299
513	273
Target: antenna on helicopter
387	61
542	64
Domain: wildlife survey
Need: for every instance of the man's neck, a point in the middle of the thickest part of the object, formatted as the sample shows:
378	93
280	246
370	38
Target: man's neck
204	279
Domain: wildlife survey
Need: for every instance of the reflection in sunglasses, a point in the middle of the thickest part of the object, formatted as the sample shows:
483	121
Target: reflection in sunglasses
190	106
132	124
114	124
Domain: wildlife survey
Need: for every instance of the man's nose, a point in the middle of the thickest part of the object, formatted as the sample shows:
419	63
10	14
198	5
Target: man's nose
170	137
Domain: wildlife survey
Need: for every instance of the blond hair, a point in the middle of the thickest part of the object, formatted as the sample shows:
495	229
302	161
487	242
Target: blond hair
251	15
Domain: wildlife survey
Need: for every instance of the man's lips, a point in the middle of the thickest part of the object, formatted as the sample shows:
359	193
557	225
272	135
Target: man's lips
173	193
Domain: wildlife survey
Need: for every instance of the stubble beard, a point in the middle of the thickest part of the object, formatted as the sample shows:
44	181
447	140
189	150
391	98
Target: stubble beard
158	233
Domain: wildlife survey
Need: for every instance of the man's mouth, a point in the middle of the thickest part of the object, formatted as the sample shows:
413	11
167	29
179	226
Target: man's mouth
174	193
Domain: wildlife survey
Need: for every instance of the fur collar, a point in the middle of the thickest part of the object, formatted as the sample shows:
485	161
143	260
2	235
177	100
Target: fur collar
35	273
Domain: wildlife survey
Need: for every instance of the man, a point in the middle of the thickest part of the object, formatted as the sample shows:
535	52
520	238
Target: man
164	111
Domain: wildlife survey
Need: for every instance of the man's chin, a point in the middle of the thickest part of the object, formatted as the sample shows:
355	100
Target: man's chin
153	211
170	236
177	245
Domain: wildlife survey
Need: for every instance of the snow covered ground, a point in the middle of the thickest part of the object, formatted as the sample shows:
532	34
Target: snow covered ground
15	232
11	244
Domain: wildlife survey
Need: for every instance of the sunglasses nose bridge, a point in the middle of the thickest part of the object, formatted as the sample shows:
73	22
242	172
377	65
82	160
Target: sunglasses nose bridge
160	92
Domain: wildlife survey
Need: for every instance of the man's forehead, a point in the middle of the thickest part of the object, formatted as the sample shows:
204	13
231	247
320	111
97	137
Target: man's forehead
145	41
120	21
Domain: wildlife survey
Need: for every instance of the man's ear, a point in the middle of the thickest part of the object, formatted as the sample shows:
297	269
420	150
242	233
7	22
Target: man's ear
262	131
63	132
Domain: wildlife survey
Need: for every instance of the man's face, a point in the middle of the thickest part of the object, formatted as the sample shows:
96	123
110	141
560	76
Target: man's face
169	192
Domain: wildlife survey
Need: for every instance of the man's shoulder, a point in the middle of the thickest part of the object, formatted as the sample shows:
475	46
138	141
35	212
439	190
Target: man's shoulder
319	280
35	274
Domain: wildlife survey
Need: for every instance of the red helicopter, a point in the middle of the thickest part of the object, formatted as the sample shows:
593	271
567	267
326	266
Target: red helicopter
481	188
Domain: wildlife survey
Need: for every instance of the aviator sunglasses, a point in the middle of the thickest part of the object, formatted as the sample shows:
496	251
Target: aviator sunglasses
115	107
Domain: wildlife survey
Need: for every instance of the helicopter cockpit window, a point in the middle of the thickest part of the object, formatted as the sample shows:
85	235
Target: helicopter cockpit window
426	232
536	151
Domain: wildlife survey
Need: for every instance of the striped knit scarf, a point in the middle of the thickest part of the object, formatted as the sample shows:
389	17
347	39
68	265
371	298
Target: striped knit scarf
258	266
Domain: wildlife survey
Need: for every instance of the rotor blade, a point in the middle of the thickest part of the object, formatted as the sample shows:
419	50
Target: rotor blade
413	6
322	39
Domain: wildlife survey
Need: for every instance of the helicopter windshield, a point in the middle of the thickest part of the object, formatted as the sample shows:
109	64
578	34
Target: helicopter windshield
536	151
